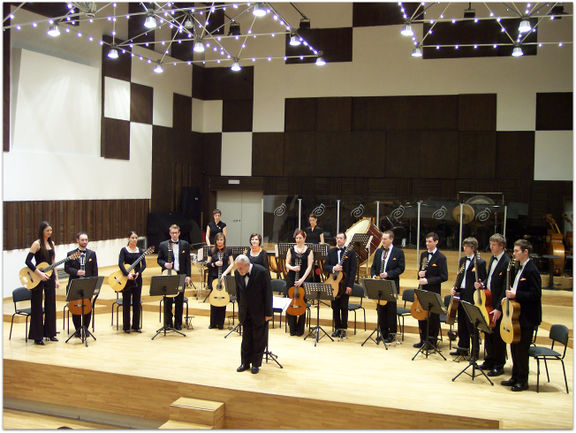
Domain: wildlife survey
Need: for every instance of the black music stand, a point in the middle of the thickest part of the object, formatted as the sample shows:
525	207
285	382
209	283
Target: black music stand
318	291
166	286
267	352
431	302
477	319
379	290
230	287
79	290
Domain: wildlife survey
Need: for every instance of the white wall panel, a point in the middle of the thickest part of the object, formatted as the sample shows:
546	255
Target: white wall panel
553	155
236	154
206	115
116	98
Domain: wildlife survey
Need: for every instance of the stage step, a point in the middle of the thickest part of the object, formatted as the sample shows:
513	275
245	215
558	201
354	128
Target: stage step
182	425
192	410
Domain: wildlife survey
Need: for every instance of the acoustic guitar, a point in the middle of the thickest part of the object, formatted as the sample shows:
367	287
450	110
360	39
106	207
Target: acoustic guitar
117	280
510	324
483	297
454	301
297	305
335	278
416	309
555	244
219	297
170	259
30	279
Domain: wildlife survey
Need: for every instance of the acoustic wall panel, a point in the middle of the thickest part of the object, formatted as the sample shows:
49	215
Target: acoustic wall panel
554	155
141	103
116	98
236	154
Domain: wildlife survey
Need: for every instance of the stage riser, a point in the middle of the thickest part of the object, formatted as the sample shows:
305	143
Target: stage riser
151	398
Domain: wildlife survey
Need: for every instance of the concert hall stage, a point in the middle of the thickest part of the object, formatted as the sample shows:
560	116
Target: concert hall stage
132	381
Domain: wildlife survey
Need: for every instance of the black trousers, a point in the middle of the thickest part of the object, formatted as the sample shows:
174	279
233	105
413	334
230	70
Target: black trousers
466	331
77	320
43	325
217	314
520	357
178	302
340	311
495	348
434	320
387	319
254	337
131	295
296	323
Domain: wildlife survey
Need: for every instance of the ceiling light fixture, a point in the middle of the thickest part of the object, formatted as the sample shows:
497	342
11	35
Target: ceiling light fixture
236	66
53	31
524	26
150	22
517	52
304	24
234	29
112	54
417	52
320	60
259	10
158	69
188	23
294	40
407	31
469	12
198	47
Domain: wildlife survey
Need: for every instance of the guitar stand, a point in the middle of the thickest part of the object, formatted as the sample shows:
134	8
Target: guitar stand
237	328
268	353
165	328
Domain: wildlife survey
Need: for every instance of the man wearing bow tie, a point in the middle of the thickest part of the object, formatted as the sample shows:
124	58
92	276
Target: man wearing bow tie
254	295
388	264
496	283
84	266
338	261
174	256
527	291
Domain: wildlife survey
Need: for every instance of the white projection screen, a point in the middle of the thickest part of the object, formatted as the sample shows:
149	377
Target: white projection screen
57	106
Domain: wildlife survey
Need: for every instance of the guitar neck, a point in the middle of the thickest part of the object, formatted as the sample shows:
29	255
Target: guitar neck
53	265
138	260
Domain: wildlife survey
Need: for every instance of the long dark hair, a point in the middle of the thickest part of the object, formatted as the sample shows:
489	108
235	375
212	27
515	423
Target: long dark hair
43	249
132	232
216	237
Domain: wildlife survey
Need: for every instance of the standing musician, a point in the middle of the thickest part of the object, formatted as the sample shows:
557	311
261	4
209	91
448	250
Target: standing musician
314	235
388	264
465	290
527	291
431	279
348	267
254	293
180	264
215	227
42	250
218	314
256	254
84	266
496	283
306	256
132	293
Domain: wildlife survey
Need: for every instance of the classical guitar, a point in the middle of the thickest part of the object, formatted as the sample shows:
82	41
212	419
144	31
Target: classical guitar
454	301
219	297
79	306
170	259
297	305
510	324
483	297
117	280
416	309
335	278
30	279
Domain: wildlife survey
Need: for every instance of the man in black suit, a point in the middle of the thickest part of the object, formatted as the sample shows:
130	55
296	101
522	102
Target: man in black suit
254	295
174	255
527	291
473	270
496	283
348	268
84	266
388	264
431	279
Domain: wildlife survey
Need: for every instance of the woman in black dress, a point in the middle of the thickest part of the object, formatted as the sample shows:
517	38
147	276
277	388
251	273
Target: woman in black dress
42	250
256	254
219	257
132	293
306	257
215	227
314	233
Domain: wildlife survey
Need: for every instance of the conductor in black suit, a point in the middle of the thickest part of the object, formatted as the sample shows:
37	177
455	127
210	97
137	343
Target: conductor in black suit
84	266
179	262
348	268
496	283
388	264
254	295
527	291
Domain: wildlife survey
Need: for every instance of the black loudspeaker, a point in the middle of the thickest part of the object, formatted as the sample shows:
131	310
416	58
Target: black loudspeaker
159	223
190	203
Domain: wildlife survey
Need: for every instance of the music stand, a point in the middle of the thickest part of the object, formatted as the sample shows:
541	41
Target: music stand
267	352
230	287
432	303
479	323
166	285
379	290
82	289
318	291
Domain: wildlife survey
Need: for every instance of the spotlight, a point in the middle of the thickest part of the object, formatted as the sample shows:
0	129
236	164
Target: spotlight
469	12
524	26
236	66
150	22
198	47
234	29
294	40
517	52
259	10
407	31
320	60
188	23
158	69
112	54
53	31
304	24
417	52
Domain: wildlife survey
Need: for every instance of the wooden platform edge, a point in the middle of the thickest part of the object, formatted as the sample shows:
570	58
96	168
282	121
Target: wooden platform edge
151	398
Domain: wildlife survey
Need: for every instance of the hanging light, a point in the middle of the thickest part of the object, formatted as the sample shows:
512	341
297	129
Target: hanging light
417	52
53	31
259	10
112	54
524	26
320	60
150	22
188	23
407	31
517	52
295	40
234	29
158	69
236	66
198	47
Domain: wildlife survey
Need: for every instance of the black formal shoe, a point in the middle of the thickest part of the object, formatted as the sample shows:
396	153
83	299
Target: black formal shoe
39	342
520	387
139	331
77	334
243	367
495	372
336	333
255	369
342	334
300	334
389	340
53	339
459	352
178	328
509	382
418	345
220	326
127	331
485	366
211	327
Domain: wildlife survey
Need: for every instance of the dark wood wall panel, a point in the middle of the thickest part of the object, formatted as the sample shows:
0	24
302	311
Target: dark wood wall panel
476	155
141	103
548	197
477	112
335	43
300	114
115	139
222	83
514	155
267	154
182	112
212	151
299	151
136	27
101	219
380	14
438	156
554	111
237	115
120	68
368	150
402	159
6	81
334	114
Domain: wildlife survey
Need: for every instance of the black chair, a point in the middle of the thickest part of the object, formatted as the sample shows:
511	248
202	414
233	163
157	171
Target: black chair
558	333
357	291
21	294
402	312
119	304
278	286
